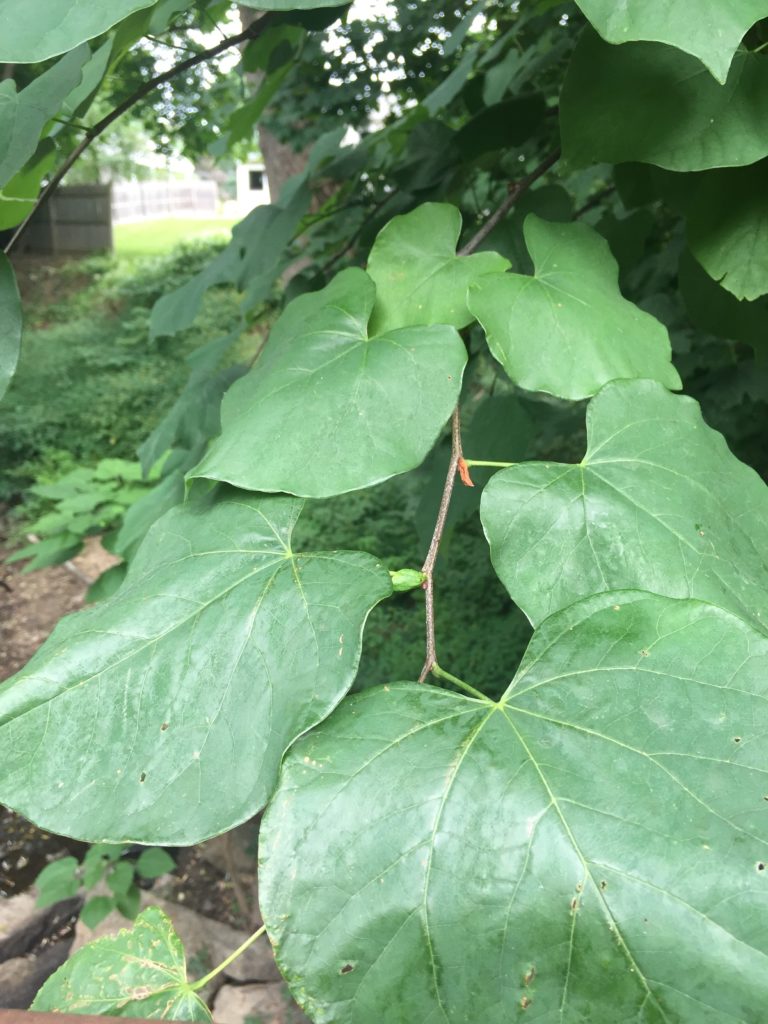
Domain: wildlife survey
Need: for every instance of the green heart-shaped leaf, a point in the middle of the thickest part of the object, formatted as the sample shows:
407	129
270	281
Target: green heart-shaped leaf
711	30
33	30
658	503
291	5
161	715
368	408
418	276
10	318
727	226
649	103
568	330
23	115
140	972
592	848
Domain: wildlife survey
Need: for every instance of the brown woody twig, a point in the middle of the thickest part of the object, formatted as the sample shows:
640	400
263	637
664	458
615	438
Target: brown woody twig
516	189
457	463
434	547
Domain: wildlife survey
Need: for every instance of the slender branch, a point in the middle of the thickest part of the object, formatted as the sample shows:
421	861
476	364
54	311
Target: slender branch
350	243
171	46
254	30
594	200
458	463
70	124
516	189
202	982
429	563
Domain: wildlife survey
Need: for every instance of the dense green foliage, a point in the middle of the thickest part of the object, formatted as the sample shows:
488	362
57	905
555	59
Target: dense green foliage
88	345
588	842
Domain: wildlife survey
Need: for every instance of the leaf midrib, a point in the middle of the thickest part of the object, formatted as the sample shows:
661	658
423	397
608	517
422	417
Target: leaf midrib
554	802
135	652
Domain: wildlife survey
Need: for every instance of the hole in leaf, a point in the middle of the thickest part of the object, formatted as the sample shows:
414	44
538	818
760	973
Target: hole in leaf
760	866
737	739
603	885
142	776
163	727
347	969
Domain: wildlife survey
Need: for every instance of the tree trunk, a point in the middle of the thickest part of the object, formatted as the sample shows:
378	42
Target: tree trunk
280	161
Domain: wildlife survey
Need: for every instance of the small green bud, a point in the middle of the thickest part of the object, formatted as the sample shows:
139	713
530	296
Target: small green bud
407	579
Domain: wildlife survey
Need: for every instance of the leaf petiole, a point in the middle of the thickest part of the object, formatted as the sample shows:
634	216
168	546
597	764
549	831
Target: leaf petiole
442	674
202	982
484	462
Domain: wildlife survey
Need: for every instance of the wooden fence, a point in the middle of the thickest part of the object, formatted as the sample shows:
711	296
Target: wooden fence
76	219
79	218
148	200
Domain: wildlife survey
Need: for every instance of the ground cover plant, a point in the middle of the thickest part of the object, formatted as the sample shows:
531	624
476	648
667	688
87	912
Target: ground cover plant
491	305
86	342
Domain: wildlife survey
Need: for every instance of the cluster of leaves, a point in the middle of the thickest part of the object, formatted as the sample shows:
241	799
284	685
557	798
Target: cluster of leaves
83	502
90	348
103	863
588	842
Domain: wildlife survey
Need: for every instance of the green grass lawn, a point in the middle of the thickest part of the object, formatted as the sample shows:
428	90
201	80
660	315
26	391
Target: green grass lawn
154	237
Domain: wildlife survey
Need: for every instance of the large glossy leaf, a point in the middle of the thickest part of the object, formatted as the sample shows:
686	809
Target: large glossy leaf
568	330
658	503
717	311
33	30
328	408
94	70
727	226
501	126
291	5
23	115
419	278
140	972
590	849
710	30
650	103
161	715
10	323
